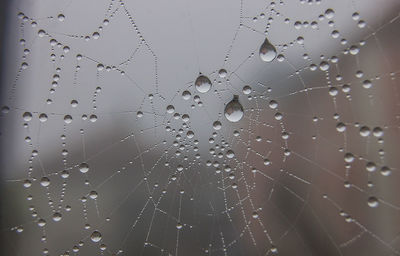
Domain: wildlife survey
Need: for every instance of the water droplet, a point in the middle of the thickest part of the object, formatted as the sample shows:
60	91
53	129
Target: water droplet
57	216
234	110
27	116
95	236
64	174
267	51
93	118
190	134
27	183
373	202
377	132
41	222
364	131
246	90
83	167
68	119
222	73
41	33
61	17
43	117
341	127
170	109
324	66
96	35
74	103
371	167
354	50
217	125
385	171
93	194
45	182
230	154
203	84
186	95
348	157
329	13
273	104
367	84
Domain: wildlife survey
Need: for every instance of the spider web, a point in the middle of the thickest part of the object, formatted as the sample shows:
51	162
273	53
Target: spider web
311	169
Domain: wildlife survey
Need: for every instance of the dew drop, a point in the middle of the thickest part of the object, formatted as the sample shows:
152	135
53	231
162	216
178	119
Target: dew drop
230	154
367	84
43	117
267	51
57	216
348	157
246	90
329	13
364	131
27	116
170	109
341	127
83	167
234	110
45	182
222	73
95	236
373	202
217	125
93	194
186	95
203	84
377	132
68	119
385	171
61	17
324	66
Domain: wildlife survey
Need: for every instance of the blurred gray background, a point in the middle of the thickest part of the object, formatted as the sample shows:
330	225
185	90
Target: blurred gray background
115	66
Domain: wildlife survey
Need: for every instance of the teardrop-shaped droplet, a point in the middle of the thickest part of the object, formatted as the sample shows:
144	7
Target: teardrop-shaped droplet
203	84
267	51
234	110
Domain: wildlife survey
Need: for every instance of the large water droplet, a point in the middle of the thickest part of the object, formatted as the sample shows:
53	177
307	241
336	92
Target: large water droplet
267	51
203	84
234	110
